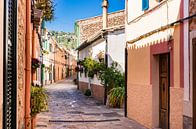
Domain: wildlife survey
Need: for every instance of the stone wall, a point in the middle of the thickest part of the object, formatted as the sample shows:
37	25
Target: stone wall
192	8
91	26
97	90
21	63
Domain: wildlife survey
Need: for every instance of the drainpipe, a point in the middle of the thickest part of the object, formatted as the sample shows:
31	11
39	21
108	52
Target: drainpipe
28	65
33	76
106	63
125	97
105	23
54	70
78	72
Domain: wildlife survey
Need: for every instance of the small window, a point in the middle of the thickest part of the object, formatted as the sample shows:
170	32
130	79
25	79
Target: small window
145	5
50	47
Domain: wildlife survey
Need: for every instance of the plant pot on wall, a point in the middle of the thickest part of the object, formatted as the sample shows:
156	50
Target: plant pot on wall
35	63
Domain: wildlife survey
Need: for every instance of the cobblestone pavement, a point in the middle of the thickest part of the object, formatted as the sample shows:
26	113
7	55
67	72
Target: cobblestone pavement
70	109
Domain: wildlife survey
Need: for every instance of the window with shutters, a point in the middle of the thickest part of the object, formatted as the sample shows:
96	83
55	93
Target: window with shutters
10	61
145	5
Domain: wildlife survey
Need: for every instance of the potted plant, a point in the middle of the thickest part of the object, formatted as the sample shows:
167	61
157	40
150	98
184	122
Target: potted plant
38	103
116	97
35	63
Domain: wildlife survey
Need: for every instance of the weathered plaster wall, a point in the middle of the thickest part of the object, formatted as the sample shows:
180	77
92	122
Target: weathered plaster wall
192	9
139	88
21	63
97	91
141	92
1	60
176	108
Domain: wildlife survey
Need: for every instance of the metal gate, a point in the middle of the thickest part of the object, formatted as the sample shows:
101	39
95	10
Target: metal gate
10	61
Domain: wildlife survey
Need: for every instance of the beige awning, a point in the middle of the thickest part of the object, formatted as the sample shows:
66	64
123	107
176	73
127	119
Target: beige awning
148	40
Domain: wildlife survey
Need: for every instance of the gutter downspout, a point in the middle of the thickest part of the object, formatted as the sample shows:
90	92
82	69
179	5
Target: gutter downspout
28	66
106	64
105	24
125	97
33	74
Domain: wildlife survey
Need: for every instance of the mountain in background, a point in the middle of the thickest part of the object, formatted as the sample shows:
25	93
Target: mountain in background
65	39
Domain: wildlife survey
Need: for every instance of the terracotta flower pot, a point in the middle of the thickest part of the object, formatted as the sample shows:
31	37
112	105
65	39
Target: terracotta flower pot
33	122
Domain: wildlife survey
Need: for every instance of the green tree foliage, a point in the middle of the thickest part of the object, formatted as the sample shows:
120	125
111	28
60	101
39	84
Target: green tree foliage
47	7
67	40
110	77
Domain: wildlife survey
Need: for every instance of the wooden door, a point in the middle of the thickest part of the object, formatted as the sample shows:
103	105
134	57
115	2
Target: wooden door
164	91
194	83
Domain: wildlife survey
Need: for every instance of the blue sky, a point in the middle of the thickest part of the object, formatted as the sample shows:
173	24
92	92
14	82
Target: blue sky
68	11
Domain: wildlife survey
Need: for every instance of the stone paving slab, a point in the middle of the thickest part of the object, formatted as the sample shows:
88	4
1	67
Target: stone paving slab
70	109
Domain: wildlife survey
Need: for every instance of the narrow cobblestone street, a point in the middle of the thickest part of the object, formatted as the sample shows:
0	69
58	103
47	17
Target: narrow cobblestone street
70	109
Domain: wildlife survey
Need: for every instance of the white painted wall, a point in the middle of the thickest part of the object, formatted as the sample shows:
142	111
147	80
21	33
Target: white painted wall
97	47
82	54
116	48
163	15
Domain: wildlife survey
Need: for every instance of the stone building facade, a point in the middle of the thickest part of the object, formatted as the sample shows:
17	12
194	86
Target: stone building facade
21	64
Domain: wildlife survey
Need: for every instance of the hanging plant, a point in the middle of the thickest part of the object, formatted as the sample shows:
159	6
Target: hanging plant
77	69
80	62
35	63
45	52
47	7
43	66
101	56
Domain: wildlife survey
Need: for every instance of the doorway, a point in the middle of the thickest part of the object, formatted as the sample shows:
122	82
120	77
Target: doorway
194	83
164	91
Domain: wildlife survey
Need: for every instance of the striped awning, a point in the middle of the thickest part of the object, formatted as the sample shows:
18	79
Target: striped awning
151	39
